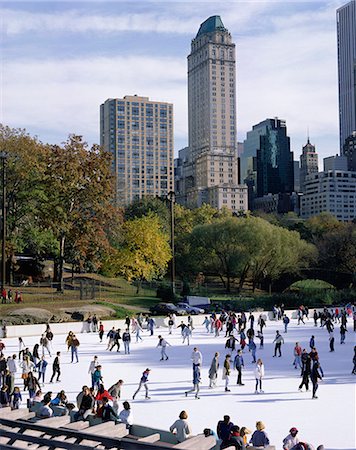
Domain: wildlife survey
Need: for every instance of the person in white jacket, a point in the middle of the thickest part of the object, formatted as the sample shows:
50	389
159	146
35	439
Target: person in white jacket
259	374
291	440
197	357
182	427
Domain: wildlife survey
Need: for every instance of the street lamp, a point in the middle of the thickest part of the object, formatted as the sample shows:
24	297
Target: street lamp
171	197
3	157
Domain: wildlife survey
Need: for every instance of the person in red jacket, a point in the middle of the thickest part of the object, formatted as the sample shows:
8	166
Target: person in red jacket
102	392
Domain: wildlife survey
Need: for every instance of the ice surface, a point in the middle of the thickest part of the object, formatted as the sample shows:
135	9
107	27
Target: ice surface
329	420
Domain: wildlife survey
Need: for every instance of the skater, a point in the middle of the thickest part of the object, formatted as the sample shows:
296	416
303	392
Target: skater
259	374
252	347
182	427
115	339
227	372
239	364
163	344
213	371
261	338
41	366
138	330
92	368
74	348
170	324
278	340
101	331
312	342
115	392
197	357
217	327
186	334
297	356
126	339
262	323
291	440
111	338
56	367
354	361
315	317
286	323
300	316
45	345
151	325
196	382
315	376
306	370
144	383
95	323
343	331
331	342
231	343
97	377
251	319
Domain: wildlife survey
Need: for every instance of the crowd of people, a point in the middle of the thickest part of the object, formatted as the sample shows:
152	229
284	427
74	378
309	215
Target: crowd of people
240	331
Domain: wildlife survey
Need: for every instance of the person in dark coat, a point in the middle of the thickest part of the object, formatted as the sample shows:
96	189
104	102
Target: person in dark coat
235	440
223	430
315	376
306	370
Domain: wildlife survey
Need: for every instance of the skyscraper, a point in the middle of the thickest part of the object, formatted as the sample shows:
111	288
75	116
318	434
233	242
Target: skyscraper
212	163
308	163
269	144
346	42
139	134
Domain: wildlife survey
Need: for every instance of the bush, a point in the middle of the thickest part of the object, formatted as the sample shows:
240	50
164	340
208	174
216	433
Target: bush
309	285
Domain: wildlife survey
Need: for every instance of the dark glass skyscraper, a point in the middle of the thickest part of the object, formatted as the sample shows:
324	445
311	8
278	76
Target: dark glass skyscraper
346	43
274	161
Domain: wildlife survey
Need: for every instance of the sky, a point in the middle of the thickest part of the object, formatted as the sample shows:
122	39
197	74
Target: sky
61	60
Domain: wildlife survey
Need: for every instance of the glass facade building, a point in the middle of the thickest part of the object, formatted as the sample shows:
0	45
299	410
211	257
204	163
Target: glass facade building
346	43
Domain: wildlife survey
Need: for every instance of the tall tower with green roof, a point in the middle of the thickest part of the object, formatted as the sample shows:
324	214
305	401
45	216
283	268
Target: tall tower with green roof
213	177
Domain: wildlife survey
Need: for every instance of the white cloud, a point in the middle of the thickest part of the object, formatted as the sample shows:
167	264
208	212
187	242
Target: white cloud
287	69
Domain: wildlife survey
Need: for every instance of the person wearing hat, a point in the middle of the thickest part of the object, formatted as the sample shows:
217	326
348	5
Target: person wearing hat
259	437
143	382
291	440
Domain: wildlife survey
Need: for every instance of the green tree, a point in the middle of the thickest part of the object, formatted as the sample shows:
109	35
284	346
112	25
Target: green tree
78	190
144	251
26	159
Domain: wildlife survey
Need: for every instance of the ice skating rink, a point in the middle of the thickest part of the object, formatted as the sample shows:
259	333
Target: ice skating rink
329	420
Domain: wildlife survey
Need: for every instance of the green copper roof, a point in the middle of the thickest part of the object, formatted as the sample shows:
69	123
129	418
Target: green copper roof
214	23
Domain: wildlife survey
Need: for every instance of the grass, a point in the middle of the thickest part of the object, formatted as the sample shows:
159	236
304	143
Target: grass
113	292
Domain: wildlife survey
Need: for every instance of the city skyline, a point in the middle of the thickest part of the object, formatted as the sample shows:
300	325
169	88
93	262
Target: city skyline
75	55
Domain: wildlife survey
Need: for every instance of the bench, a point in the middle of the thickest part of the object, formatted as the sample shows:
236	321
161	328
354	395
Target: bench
197	442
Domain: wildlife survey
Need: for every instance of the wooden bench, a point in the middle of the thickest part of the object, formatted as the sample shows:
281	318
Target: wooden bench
80	425
197	442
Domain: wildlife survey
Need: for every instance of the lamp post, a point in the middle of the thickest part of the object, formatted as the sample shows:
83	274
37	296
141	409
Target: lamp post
171	197
3	157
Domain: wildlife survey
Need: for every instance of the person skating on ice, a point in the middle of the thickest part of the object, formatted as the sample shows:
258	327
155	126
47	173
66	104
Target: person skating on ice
227	372
196	357
261	338
343	331
306	370
163	344
196	381
259	374
315	376
213	371
186	334
278	341
297	356
354	361
144	383
286	323
238	365
331	342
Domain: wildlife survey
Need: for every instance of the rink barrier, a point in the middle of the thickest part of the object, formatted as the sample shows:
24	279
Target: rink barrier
81	327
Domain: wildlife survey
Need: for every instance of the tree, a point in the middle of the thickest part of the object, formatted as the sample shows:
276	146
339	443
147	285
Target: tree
149	205
144	251
337	250
26	159
78	190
